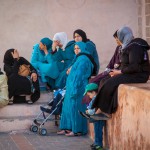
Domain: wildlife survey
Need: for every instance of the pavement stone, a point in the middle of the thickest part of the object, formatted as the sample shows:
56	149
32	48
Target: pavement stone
26	140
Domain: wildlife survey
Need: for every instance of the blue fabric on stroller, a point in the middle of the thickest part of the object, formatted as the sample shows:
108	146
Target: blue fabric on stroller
56	104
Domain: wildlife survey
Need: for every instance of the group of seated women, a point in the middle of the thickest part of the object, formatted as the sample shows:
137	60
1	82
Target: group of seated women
51	60
70	64
61	63
129	64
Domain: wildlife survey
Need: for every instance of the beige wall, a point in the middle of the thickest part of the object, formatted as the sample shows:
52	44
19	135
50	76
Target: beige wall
24	23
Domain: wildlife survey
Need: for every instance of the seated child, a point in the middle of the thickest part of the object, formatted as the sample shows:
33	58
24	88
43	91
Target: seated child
91	91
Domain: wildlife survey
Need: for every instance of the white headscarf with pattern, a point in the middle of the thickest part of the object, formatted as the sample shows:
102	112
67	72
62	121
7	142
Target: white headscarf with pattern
62	38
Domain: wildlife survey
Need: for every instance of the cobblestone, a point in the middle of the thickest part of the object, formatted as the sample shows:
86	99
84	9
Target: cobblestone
33	141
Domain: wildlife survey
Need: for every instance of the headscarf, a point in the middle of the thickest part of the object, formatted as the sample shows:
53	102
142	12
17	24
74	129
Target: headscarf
82	46
46	41
125	36
62	37
115	34
82	34
8	58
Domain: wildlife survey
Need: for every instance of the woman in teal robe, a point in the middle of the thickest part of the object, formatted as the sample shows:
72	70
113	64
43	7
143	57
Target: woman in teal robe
63	53
79	35
77	79
43	62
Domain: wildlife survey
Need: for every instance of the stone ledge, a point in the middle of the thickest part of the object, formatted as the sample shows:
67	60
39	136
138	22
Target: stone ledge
129	127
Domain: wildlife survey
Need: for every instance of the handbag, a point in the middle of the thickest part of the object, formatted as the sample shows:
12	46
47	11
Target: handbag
24	70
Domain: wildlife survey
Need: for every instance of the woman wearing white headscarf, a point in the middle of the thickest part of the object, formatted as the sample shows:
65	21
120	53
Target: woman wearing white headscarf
63	53
60	39
134	69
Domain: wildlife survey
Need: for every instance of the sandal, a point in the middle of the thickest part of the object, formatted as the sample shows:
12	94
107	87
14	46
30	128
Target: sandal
29	102
10	102
63	132
74	134
70	134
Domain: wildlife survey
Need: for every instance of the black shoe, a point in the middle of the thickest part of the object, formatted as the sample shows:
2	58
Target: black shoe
96	147
100	117
92	145
84	115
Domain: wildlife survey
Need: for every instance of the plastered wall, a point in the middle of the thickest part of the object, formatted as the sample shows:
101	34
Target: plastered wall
24	23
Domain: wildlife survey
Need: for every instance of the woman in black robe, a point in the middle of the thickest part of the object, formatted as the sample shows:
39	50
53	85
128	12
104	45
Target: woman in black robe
113	64
134	69
17	84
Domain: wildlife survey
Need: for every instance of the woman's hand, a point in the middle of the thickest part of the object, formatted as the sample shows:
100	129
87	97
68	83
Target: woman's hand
114	72
86	111
45	51
68	71
55	45
34	77
15	54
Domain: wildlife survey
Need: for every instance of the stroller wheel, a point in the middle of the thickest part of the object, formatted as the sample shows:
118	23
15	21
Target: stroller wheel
43	132
34	128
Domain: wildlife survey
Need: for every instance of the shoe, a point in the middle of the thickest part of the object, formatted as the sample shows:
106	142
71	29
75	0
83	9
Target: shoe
10	102
84	115
28	97
63	132
96	147
92	145
100	117
29	102
73	134
70	134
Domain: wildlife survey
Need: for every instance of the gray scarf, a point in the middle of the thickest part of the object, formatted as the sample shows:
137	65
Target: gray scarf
125	36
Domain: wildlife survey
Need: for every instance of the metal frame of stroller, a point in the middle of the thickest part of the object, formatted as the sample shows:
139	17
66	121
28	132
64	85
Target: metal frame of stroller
42	118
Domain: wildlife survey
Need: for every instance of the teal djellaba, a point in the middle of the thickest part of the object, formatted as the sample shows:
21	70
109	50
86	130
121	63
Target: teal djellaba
63	53
43	62
77	80
79	35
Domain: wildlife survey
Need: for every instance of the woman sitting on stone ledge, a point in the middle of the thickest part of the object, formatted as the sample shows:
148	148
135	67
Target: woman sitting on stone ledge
17	84
134	69
113	64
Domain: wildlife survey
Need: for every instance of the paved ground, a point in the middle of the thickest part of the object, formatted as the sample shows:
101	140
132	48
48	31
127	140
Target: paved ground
26	140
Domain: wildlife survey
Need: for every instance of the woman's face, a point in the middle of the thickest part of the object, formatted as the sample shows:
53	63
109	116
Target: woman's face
77	37
117	41
42	46
77	49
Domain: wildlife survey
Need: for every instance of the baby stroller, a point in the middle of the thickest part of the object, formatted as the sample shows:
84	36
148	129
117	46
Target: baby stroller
53	107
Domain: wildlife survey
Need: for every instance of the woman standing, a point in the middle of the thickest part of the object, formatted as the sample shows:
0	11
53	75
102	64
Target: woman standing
80	35
72	122
134	69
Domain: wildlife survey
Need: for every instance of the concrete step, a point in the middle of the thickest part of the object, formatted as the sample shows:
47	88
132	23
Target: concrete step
20	116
